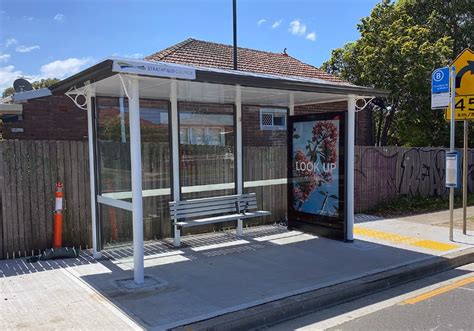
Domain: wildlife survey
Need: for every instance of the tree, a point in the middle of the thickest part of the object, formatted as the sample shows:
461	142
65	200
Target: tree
36	85
400	45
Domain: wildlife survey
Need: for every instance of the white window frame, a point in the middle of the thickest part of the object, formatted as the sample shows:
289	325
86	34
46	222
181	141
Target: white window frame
273	112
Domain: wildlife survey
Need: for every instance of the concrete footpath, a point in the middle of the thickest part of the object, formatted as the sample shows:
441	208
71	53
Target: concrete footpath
223	281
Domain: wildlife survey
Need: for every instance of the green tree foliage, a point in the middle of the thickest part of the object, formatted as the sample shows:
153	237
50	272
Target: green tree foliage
36	85
400	45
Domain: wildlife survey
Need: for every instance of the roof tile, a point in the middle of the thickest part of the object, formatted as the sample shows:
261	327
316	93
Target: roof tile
209	54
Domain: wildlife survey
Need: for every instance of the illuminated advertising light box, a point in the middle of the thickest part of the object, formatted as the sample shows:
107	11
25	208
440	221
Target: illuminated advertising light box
316	173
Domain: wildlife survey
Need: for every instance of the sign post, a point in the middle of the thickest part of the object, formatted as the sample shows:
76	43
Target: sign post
464	177
461	108
452	77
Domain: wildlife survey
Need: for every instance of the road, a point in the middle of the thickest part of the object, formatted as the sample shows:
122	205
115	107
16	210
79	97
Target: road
442	301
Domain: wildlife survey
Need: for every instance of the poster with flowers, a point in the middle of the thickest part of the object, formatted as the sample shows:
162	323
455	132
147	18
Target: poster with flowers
316	167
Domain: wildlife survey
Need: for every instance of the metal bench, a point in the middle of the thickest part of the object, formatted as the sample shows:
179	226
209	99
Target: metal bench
196	212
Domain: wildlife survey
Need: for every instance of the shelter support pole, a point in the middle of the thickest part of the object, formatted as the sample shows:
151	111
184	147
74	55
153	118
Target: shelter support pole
136	166
351	108
175	152
464	177
239	152
92	174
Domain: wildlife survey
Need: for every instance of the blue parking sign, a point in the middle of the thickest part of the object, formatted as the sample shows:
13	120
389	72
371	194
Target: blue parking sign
440	80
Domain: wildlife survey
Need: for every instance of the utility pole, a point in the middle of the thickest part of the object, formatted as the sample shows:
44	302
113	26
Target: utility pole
234	15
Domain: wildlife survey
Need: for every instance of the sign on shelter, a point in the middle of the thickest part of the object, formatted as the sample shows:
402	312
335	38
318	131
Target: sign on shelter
316	173
464	100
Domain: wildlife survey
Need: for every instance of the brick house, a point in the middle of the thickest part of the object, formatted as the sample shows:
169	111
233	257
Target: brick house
56	117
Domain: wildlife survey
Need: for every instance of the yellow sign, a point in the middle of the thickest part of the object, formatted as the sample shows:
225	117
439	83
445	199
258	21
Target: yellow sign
464	104
464	108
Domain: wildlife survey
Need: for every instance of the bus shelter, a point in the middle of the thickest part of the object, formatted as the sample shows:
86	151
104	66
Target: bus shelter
159	132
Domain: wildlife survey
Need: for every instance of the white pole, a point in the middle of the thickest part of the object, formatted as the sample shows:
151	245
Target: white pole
238	138
175	138
90	133
351	106
452	76
136	165
175	152
122	120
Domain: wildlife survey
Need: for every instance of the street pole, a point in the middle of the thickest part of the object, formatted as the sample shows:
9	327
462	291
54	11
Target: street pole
464	177
234	26
452	76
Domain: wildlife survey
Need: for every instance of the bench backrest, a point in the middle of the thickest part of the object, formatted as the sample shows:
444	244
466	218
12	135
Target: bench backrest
212	206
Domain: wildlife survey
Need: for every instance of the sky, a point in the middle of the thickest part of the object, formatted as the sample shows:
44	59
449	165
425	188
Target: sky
57	38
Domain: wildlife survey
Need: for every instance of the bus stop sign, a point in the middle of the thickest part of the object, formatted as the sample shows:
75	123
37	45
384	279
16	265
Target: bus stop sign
440	88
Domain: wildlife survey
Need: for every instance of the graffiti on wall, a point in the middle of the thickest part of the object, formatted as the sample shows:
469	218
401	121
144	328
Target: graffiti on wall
383	173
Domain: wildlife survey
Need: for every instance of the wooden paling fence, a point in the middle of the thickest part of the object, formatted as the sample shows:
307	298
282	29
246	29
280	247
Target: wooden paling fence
29	171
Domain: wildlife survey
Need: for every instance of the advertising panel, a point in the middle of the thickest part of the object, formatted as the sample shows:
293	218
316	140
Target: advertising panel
316	173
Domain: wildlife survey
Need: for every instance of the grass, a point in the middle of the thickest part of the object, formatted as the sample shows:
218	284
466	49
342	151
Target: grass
404	206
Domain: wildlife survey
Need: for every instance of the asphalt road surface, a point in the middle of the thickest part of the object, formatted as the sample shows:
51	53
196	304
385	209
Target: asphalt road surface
443	301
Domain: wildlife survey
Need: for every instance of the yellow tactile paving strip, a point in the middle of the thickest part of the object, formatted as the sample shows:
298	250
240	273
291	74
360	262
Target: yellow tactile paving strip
399	239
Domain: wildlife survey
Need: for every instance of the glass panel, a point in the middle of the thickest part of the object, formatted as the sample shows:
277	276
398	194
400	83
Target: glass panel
113	146
265	161
209	158
115	168
279	120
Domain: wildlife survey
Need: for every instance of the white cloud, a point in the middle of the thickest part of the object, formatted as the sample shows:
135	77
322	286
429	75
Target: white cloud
11	41
26	49
57	69
59	17
297	28
135	56
130	56
261	21
28	18
4	57
311	36
276	24
7	75
63	68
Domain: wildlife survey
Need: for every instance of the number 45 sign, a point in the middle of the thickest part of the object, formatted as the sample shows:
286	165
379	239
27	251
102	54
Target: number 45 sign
464	101
464	108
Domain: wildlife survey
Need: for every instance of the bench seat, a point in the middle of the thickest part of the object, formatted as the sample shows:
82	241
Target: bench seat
223	218
189	213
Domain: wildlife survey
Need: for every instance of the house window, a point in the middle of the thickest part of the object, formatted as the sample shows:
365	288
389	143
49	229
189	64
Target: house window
201	135
272	119
215	136
184	135
198	136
